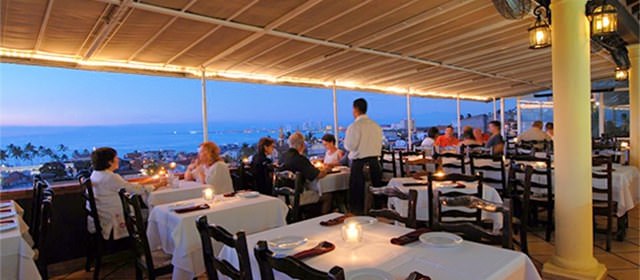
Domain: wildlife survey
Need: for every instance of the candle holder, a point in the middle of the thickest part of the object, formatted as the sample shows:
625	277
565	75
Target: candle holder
352	233
207	195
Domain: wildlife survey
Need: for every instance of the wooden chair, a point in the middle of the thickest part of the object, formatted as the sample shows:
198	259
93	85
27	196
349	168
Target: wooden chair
410	220
290	266
154	263
457	162
474	232
604	207
96	241
475	216
292	195
39	186
497	166
215	265
541	189
532	147
405	165
44	229
519	191
384	161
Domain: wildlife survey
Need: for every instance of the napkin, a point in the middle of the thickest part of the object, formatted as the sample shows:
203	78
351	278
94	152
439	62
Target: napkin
9	221
192	208
231	194
6	210
335	221
415	184
417	276
409	237
323	247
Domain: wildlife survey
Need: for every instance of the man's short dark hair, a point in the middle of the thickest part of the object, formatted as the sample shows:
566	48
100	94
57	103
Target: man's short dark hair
101	157
433	132
329	138
449	126
361	105
495	123
548	126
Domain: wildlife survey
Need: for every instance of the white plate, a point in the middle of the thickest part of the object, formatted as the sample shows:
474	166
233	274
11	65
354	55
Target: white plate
7	214
362	220
248	194
5	204
368	274
441	239
8	226
286	242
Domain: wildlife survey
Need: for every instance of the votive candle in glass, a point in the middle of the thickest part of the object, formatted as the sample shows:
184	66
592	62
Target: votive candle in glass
352	233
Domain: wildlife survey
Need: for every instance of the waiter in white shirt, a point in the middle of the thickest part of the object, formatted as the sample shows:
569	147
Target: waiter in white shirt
363	140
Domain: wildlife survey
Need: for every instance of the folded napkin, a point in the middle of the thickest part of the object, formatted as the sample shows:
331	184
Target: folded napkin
321	248
414	184
335	221
231	194
5	210
409	237
9	221
192	208
418	276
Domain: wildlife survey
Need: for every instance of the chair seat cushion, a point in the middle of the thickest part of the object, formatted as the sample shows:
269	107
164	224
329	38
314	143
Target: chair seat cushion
159	258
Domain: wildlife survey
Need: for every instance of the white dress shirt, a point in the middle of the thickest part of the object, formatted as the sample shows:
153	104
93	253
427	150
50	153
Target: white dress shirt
106	186
218	176
363	138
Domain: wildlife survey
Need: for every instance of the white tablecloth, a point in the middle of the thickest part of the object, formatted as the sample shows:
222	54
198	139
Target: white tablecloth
332	182
16	256
401	206
625	184
468	261
176	233
185	190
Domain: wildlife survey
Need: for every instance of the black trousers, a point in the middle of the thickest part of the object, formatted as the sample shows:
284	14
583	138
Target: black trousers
357	190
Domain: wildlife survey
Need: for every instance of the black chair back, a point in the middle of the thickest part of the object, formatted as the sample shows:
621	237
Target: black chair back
603	172
474	232
497	167
44	230
405	164
541	194
531	147
453	177
290	266
454	162
89	200
40	186
388	157
214	265
410	220
519	191
284	181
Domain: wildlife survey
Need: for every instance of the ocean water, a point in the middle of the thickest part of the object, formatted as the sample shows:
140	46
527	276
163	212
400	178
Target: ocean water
128	138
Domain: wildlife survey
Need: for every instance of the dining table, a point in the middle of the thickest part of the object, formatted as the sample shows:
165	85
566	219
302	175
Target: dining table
375	254
176	233
16	255
336	180
178	191
404	184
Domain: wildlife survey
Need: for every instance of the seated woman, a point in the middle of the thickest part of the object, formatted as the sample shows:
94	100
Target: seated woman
262	166
333	155
210	169
106	185
430	140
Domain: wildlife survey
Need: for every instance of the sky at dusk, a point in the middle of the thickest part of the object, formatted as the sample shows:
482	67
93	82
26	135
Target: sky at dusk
45	96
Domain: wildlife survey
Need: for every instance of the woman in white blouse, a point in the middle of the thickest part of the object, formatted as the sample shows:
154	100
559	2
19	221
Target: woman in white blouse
106	185
210	169
333	155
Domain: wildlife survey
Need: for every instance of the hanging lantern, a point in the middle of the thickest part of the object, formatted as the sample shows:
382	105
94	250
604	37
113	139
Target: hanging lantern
604	20
540	31
621	74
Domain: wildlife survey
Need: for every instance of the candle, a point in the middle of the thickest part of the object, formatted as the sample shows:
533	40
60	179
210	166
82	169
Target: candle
624	145
245	160
540	164
172	165
439	173
207	194
352	232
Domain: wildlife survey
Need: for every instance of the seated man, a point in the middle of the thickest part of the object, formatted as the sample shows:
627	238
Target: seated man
535	133
495	142
447	142
295	161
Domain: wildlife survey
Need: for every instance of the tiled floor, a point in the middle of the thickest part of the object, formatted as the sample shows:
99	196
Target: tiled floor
623	262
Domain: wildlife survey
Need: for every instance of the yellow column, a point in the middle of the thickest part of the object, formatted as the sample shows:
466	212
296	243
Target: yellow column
573	256
634	103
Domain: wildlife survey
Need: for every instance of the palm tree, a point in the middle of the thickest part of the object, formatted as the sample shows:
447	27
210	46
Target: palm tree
30	152
16	152
62	148
3	155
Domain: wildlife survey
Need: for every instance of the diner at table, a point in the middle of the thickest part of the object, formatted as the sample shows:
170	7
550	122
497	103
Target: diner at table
262	166
209	168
